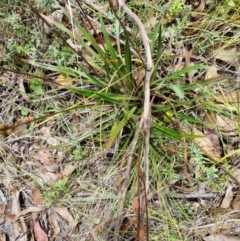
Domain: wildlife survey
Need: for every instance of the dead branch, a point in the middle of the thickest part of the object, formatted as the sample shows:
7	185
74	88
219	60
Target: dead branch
145	122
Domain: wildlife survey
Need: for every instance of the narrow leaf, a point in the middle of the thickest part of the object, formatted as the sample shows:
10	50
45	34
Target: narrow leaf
118	126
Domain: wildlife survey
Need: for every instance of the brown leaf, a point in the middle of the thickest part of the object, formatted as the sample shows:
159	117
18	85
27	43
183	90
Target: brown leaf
221	237
211	73
3	237
187	189
126	226
68	169
236	205
40	235
48	176
206	145
64	213
115	5
136	204
37	197
10	217
230	97
54	225
220	210
139	75
210	119
29	210
227	198
50	20
230	56
141	234
226	124
213	137
43	156
197	12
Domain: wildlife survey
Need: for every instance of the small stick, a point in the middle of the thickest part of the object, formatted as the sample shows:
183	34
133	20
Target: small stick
145	121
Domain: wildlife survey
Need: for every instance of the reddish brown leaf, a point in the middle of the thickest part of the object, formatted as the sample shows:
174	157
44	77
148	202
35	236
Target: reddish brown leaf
136	204
37	197
139	75
141	234
40	235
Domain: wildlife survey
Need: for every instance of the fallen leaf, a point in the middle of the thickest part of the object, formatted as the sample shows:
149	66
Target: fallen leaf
43	156
236	205
126	226
226	124
115	5
3	237
206	145
15	203
236	202
211	73
37	197
221	237
229	97
64	213
139	75
54	226
47	177
197	12
228	197
141	234
136	204
214	138
220	210
187	189
40	235
10	217
29	210
19	227
210	119
68	169
230	56
63	81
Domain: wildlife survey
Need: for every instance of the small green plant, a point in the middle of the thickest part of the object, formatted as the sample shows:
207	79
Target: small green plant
78	153
51	193
176	8
36	86
24	112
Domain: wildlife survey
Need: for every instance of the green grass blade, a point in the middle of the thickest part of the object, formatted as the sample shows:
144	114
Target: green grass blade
87	78
185	70
128	61
112	98
159	50
118	126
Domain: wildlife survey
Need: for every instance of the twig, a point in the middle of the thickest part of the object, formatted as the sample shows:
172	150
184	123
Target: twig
146	117
234	221
125	185
192	195
145	121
